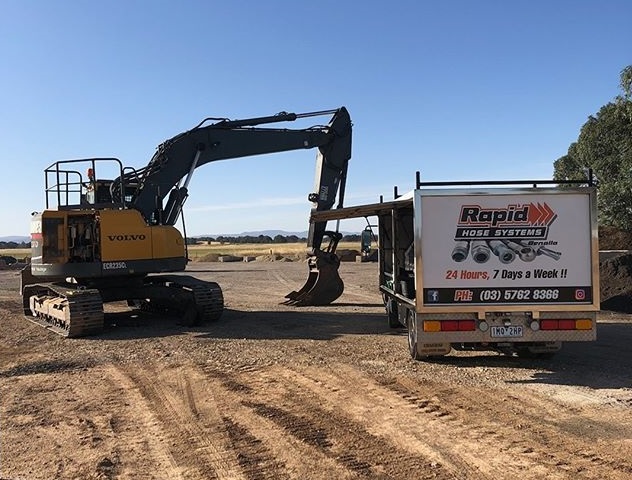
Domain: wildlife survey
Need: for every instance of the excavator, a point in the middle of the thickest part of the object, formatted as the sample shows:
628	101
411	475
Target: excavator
113	238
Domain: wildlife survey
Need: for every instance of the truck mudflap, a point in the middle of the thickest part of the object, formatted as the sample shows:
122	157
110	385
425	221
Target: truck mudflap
323	284
433	349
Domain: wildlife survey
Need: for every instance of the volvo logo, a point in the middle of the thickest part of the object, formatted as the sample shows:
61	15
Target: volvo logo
126	238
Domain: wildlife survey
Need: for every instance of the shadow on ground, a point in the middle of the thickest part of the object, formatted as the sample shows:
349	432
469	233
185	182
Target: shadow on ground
261	325
605	363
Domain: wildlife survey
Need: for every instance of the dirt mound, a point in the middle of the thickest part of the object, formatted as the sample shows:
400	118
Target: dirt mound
298	257
348	255
209	257
272	258
615	273
611	238
615	278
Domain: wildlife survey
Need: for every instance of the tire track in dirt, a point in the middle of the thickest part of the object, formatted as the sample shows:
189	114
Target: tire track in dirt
308	414
253	456
200	445
347	442
83	418
379	412
137	427
280	455
495	440
536	428
523	432
426	427
281	398
211	434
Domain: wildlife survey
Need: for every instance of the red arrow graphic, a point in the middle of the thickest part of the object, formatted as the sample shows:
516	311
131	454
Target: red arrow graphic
541	214
550	215
535	213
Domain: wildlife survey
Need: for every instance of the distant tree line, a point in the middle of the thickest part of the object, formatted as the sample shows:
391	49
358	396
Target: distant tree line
261	239
15	245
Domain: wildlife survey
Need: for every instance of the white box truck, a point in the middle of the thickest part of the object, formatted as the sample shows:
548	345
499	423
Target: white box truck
505	266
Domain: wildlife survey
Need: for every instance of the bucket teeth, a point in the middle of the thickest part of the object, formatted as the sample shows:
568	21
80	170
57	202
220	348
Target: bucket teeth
323	284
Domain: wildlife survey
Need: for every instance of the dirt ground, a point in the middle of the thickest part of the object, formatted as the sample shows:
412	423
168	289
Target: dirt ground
275	392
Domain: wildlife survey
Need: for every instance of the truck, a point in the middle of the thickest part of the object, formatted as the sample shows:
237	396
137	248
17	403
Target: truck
506	266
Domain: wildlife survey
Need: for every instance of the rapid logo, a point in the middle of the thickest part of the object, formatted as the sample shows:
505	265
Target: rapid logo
526	221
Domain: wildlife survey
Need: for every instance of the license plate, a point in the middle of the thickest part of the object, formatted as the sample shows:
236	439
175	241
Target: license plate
512	331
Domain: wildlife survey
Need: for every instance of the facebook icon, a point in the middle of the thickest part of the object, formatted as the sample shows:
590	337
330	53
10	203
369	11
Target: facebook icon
433	296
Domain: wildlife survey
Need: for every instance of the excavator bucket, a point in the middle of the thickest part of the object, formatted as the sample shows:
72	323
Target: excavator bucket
323	284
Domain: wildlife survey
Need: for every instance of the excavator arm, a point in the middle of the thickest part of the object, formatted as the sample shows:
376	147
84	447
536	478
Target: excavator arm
159	190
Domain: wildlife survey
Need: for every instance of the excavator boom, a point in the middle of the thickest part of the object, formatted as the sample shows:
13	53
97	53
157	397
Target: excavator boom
177	158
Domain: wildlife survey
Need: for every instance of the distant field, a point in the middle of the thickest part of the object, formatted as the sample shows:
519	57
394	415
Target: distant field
237	249
256	249
16	252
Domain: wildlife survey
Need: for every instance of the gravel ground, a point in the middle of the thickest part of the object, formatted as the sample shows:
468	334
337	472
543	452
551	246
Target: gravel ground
271	391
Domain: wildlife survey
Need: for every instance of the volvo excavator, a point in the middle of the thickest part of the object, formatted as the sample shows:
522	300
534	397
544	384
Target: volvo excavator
114	238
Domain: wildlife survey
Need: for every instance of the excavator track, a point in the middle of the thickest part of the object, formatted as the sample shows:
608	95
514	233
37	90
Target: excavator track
210	300
69	312
204	300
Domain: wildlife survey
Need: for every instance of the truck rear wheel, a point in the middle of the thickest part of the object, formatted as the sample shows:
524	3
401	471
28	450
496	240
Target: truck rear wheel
411	324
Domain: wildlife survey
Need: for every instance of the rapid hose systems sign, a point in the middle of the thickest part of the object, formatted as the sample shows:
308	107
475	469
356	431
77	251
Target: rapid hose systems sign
531	247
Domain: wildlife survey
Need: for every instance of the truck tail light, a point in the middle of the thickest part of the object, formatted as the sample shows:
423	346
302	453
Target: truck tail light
467	325
432	326
449	326
584	324
566	324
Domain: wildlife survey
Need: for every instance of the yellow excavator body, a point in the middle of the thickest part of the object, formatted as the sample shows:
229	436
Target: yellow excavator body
125	236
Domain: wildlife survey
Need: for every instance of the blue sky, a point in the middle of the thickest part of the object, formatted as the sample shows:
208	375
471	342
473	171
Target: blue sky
460	90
